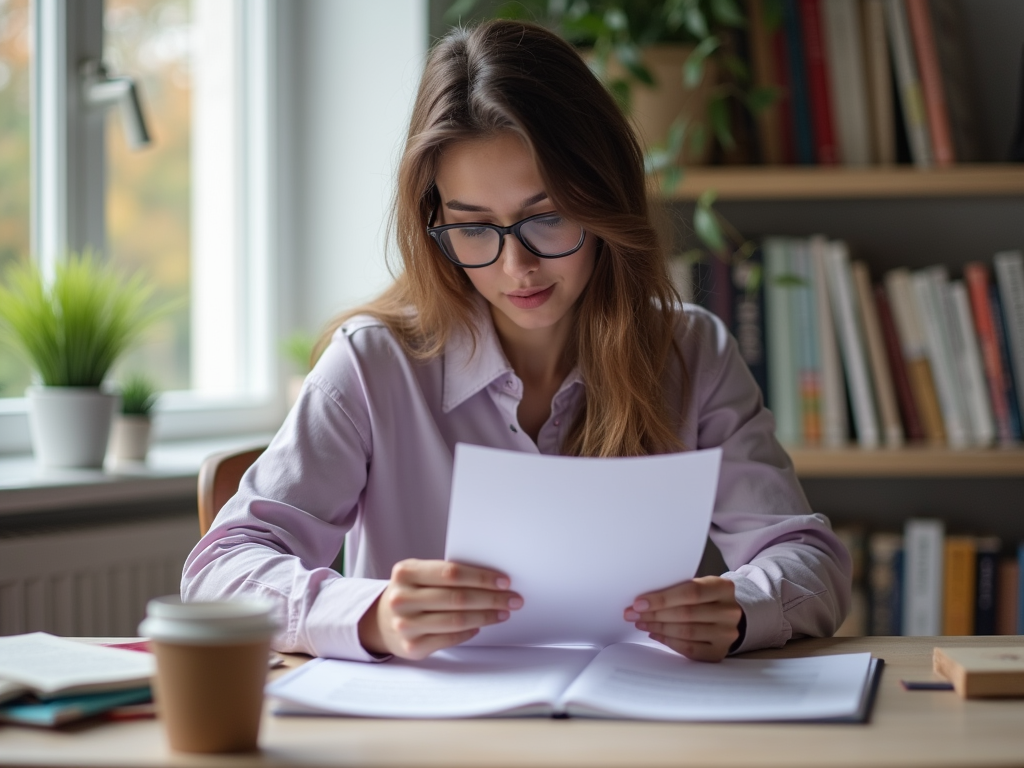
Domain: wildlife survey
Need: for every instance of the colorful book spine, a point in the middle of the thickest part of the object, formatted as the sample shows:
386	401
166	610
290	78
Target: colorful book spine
835	427
987	569
909	325
957	78
931	82
841	22
1009	269
959	573
782	360
999	323
748	317
879	83
972	376
1006	597
806	336
885	551
923	577
908	83
976	276
904	395
826	152
797	77
881	377
851	344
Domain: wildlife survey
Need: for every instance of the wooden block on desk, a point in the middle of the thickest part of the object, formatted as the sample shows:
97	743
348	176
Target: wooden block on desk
978	672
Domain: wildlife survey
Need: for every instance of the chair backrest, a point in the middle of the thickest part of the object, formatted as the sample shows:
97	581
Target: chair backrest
218	481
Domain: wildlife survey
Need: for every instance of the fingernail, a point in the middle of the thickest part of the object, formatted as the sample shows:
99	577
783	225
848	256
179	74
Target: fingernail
641	625
503	583
515	602
503	615
631	615
641	605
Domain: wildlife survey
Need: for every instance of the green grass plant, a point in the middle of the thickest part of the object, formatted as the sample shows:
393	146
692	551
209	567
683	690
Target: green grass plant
138	395
73	331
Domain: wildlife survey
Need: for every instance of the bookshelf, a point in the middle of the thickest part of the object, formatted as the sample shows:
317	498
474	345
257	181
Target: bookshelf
849	183
922	462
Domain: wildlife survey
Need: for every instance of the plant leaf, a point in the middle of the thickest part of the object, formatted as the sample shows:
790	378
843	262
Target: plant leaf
728	13
693	67
457	10
760	97
705	223
718	114
695	21
629	56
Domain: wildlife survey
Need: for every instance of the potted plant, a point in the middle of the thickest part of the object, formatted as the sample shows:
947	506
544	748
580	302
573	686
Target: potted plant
133	426
71	332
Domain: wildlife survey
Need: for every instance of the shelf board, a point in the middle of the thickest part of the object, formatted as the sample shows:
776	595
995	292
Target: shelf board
841	183
917	461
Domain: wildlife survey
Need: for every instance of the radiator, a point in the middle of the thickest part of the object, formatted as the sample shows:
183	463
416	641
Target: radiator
92	581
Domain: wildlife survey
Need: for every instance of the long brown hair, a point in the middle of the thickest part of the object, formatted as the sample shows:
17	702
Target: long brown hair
519	77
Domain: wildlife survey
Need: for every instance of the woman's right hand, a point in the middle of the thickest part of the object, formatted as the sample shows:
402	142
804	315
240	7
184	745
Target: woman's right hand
433	604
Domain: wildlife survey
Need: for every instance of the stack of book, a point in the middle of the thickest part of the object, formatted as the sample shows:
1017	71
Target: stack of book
863	81
924	581
920	357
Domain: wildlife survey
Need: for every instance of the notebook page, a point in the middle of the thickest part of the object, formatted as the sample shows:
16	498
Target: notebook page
459	682
49	664
641	682
579	537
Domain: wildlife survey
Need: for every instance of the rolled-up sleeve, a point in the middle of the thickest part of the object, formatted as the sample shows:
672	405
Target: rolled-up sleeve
792	574
277	537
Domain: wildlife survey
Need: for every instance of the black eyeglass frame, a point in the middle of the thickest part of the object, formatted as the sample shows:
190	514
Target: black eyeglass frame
514	229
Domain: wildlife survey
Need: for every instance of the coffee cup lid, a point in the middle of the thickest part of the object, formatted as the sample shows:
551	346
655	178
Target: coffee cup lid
219	622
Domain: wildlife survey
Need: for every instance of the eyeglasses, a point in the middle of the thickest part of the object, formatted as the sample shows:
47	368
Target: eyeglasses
547	235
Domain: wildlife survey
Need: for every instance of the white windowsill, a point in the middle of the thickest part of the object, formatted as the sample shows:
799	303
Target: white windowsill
170	472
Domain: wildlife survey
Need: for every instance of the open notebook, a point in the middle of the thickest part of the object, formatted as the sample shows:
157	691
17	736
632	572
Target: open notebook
625	680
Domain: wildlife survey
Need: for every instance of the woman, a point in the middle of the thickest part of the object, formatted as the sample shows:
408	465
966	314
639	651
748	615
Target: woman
532	312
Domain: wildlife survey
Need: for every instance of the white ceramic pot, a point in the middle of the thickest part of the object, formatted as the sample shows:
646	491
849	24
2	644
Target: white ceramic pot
70	425
130	439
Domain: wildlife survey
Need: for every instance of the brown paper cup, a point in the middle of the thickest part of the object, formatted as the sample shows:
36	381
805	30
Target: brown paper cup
211	663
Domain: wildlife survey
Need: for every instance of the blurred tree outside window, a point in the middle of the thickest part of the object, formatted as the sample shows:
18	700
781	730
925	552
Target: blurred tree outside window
15	222
148	191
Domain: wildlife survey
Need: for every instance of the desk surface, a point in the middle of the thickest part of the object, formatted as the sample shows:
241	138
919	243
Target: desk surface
920	728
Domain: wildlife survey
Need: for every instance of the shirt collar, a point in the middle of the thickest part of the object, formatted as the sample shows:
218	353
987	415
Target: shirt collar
467	370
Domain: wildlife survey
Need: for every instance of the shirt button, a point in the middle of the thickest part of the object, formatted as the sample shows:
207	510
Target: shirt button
558	422
513	428
509	384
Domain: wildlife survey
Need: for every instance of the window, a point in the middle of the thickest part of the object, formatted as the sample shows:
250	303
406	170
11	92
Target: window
193	210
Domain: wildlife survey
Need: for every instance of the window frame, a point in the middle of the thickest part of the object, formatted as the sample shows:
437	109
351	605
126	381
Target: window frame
69	161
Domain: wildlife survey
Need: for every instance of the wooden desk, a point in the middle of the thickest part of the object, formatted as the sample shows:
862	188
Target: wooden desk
920	728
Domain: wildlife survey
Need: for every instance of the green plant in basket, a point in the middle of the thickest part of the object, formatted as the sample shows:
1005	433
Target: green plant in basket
74	330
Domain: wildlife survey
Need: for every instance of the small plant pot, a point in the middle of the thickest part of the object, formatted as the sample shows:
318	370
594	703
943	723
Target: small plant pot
130	439
70	425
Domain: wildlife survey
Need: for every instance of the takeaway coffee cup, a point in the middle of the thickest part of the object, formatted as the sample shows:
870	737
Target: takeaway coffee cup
211	661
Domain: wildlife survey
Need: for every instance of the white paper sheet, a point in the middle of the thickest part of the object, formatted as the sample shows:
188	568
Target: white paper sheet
651	684
459	682
580	538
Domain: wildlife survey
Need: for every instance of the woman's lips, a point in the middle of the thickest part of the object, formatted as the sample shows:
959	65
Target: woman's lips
532	300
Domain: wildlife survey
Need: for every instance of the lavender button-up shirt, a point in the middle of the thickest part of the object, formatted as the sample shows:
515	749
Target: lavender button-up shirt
365	456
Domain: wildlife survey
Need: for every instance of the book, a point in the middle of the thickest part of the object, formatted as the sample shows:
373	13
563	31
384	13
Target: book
796	73
1009	269
999	324
881	377
959	573
908	83
986	581
909	324
930	291
923	555
51	667
847	80
851	344
748	317
897	367
782	356
879	83
826	151
972	377
886	552
766	75
982	671
857	621
806	337
1006	597
958	79
1020	589
976	277
67	709
624	681
835	429
932	88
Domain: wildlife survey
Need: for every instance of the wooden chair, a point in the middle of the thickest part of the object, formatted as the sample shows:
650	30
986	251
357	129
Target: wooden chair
219	477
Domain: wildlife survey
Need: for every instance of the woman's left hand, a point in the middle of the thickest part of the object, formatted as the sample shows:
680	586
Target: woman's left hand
699	618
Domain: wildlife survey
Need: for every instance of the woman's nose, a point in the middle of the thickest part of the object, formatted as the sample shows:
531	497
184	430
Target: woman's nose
516	260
